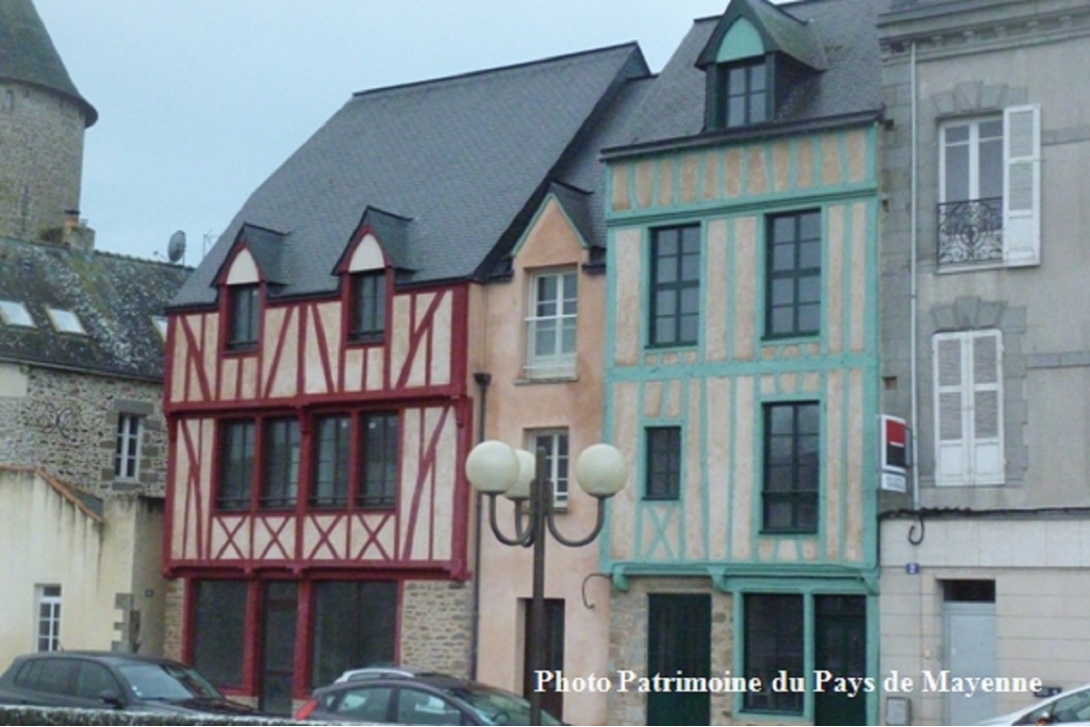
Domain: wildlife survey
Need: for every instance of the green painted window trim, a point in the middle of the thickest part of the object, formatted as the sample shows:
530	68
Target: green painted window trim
662	477
793	274
675	280
800	492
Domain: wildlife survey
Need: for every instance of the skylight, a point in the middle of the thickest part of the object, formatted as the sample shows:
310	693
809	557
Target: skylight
15	314
160	325
65	321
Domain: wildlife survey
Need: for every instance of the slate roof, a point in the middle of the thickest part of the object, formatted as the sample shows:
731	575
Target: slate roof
114	297
27	54
455	168
674	107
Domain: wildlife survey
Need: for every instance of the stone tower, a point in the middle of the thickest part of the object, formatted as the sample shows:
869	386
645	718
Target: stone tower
42	120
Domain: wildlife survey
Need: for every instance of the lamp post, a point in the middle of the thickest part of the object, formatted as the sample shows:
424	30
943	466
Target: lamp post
494	468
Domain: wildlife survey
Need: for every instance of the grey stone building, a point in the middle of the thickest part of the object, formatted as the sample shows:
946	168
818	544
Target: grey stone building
82	435
986	348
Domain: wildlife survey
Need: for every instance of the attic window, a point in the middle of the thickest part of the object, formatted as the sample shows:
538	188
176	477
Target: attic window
65	321
745	93
15	314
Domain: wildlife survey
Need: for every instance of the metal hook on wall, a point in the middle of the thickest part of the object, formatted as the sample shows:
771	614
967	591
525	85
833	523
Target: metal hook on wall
586	603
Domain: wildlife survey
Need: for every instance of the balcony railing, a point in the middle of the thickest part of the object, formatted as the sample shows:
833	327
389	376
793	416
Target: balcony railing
971	231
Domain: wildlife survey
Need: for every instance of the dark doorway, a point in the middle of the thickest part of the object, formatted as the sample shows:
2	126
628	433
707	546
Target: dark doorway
841	648
280	601
551	701
679	644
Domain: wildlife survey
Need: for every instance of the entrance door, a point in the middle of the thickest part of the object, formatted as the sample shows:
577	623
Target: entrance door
679	639
551	700
970	652
280	600
840	633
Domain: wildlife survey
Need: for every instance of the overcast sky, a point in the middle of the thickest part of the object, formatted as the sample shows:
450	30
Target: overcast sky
200	100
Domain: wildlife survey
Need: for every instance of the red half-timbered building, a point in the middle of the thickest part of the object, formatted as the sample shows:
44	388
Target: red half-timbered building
320	393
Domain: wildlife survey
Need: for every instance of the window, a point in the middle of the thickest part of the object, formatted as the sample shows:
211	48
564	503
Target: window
244	317
418	707
675	285
773	643
219	627
130	432
793	305
92	680
15	314
280	455
331	459
354	623
160	323
968	408
791	467
368	314
745	93
65	321
663	463
236	465
378	484
989	189
555	444
364	704
49	618
550	327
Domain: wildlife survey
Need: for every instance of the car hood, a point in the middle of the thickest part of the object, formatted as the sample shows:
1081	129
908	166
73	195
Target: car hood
196	706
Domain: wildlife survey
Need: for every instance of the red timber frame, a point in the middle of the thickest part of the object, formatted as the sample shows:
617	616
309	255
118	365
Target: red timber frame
308	368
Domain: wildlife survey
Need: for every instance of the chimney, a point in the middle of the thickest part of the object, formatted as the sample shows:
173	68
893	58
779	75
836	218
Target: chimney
76	234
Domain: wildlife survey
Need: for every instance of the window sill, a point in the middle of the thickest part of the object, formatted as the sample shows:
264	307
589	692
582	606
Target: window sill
364	341
241	350
529	381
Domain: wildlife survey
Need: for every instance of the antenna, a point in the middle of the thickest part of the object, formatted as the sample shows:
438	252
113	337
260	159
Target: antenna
176	247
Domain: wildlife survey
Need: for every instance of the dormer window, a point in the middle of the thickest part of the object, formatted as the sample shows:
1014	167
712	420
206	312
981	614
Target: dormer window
745	93
368	307
243	317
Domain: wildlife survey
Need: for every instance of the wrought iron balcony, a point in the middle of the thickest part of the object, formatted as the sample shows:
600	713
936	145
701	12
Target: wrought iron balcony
971	231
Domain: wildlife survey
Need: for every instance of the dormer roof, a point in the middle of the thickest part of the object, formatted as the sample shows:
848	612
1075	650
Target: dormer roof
780	33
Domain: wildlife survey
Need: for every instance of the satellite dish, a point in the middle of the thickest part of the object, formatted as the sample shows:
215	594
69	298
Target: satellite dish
176	246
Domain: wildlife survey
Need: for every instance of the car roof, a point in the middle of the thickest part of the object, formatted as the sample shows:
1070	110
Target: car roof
110	657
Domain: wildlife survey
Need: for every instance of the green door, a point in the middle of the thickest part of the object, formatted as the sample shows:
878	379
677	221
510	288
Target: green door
679	644
841	648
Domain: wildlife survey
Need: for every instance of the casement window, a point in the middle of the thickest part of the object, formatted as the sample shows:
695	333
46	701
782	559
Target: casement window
663	478
353	623
793	274
745	93
243	317
48	618
550	327
990	189
675	286
968	406
367	320
378	481
280	463
555	444
792	437
773	643
236	464
332	442
130	432
219	630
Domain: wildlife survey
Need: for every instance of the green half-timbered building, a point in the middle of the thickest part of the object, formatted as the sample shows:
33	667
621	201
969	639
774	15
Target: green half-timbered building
741	369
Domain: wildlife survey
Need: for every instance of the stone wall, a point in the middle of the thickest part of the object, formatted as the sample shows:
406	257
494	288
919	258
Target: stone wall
628	644
66	423
173	618
437	625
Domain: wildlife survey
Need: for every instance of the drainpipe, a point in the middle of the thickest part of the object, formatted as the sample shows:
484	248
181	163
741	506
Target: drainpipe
914	384
483	379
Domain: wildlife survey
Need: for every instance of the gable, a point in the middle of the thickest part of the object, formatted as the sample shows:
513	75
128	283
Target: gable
243	269
741	41
367	255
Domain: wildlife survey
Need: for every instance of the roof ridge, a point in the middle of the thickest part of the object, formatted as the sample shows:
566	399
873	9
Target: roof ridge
495	70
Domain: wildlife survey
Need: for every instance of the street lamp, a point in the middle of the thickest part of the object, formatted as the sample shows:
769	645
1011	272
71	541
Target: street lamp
494	468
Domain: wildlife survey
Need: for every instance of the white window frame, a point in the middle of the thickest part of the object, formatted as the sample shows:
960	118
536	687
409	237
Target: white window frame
557	461
47	617
130	441
65	321
565	303
969	458
14	313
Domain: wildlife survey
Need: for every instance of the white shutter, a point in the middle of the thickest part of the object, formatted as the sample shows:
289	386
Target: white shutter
986	448
1022	185
951	437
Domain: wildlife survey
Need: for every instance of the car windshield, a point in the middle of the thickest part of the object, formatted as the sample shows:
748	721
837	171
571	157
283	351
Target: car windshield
167	682
498	706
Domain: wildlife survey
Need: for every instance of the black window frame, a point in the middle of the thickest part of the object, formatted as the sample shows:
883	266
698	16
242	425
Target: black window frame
337	495
367	302
803	478
352	623
379	471
281	450
773	639
670	282
235	477
799	275
243	317
662	480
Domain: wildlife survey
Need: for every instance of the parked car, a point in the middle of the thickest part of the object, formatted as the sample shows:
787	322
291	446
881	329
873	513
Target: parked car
110	680
399	695
1070	707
